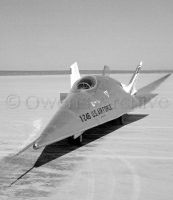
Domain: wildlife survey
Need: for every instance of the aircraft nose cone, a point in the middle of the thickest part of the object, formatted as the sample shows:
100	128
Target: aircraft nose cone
63	125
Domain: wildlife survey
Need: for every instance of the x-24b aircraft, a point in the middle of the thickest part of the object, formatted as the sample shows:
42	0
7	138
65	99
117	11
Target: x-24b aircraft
93	100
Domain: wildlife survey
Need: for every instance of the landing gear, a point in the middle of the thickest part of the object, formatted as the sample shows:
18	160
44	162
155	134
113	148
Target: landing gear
122	119
77	141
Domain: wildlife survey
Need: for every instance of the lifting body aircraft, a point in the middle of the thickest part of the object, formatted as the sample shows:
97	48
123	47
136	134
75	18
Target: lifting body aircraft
93	100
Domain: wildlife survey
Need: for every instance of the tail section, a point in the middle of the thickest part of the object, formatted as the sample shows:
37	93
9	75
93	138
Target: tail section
130	88
106	71
75	75
135	75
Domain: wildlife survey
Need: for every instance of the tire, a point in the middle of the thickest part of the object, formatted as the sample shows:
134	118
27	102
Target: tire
122	119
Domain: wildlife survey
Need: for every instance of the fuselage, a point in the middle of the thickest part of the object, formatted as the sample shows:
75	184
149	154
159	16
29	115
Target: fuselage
92	100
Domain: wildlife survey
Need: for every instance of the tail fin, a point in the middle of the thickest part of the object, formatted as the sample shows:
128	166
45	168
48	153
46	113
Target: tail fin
106	71
75	75
130	88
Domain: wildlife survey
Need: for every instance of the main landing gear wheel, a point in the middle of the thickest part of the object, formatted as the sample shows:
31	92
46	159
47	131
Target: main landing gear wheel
122	119
77	141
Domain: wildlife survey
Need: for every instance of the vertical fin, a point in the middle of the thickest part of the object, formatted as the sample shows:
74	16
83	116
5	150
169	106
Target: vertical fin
133	79
106	71
130	88
75	75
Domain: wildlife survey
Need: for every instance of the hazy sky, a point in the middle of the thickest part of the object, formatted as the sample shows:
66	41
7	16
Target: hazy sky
52	34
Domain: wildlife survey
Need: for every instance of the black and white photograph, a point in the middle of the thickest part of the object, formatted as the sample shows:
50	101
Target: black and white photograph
86	100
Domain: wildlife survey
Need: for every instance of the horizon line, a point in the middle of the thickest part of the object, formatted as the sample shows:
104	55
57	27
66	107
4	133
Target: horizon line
66	72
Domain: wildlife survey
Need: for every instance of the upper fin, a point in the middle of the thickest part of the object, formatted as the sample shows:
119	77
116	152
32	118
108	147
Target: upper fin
75	75
130	88
106	71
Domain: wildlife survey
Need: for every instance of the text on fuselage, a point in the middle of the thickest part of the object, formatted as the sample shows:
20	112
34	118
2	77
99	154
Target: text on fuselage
95	113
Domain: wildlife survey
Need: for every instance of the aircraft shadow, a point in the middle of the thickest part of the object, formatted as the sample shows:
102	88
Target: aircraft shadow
58	149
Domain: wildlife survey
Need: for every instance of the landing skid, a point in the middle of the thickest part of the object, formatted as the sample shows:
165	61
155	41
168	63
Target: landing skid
77	141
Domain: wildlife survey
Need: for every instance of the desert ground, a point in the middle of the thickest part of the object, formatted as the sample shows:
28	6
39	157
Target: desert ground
129	162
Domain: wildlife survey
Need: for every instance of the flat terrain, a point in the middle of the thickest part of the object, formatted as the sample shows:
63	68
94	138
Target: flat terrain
134	161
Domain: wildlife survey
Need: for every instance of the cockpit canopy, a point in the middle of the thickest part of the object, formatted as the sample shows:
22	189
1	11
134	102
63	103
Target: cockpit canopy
86	83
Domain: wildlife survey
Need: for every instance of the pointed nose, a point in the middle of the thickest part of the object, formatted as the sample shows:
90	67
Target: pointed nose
64	124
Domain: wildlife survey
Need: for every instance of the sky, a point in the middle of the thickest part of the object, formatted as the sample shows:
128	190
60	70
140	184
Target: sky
52	34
